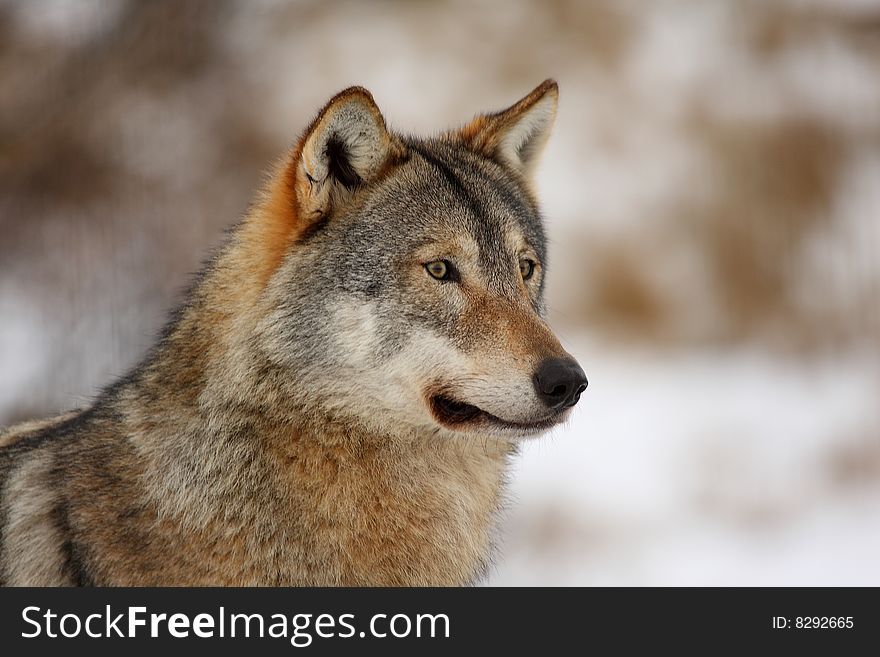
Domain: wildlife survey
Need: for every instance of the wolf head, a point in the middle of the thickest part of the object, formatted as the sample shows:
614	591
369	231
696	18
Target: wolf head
405	276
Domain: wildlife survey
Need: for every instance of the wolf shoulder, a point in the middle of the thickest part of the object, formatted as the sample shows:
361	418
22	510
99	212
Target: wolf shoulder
17	435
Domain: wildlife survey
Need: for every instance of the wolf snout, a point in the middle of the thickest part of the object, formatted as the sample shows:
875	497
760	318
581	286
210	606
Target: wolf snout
559	382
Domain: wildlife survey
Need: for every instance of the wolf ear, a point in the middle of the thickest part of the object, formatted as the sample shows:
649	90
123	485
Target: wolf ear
346	146
516	136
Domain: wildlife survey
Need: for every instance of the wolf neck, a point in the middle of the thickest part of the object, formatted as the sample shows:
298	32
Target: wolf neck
225	456
305	503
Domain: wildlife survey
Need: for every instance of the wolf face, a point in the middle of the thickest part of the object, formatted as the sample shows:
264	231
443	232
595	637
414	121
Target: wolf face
336	401
413	294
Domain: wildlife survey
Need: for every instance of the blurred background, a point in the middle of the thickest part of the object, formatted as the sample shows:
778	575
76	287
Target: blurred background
712	194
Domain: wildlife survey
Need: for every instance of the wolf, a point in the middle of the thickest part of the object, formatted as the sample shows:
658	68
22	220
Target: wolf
339	398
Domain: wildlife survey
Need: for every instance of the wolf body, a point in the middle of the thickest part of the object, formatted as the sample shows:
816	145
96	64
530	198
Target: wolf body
338	399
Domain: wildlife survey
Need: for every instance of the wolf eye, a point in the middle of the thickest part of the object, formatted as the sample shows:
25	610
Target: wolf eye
439	269
526	268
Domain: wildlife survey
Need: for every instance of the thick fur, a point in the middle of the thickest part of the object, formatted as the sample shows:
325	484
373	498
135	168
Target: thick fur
282	432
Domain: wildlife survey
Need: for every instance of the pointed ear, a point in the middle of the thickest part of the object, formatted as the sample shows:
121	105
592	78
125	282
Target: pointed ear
345	147
516	136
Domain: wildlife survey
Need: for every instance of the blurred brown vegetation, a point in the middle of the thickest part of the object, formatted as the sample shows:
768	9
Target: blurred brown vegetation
767	197
132	134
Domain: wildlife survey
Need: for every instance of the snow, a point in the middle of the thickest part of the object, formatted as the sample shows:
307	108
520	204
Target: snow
701	469
683	464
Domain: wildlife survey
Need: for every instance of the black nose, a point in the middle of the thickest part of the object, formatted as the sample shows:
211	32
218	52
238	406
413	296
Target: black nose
560	382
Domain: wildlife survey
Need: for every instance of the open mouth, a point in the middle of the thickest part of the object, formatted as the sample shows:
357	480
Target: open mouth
453	413
450	411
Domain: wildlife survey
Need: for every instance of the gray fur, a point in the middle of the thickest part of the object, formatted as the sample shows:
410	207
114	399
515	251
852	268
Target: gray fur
268	399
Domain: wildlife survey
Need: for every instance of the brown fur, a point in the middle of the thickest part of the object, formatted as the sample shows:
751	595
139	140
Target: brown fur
483	133
197	469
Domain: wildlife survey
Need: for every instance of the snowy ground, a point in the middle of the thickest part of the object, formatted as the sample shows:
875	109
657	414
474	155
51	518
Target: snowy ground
697	469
